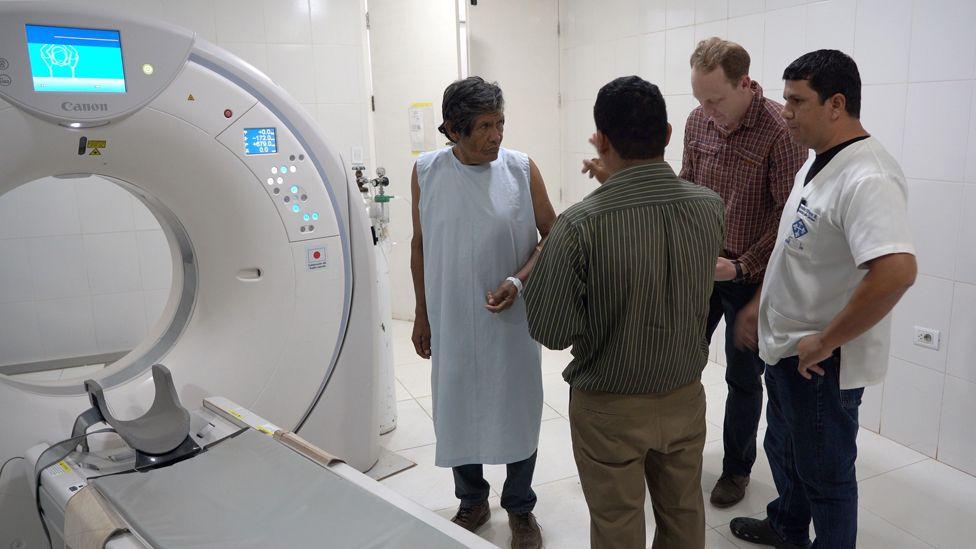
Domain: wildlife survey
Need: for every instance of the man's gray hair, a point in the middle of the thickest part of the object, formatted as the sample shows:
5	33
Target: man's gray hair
465	100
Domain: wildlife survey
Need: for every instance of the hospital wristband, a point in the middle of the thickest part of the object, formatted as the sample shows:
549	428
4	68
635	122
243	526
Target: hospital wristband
517	282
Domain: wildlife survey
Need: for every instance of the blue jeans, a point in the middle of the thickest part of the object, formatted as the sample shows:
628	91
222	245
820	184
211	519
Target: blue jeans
518	497
811	442
743	374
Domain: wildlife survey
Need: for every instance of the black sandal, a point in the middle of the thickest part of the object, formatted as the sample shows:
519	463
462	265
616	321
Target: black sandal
760	532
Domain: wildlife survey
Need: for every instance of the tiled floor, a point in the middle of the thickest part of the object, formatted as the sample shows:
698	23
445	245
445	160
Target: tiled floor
907	499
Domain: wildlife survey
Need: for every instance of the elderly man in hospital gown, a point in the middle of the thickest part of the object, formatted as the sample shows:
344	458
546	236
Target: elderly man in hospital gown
478	213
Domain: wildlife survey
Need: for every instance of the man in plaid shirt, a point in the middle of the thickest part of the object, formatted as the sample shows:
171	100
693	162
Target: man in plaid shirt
737	144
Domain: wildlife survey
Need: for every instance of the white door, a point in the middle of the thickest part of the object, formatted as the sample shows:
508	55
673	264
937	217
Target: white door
414	50
516	43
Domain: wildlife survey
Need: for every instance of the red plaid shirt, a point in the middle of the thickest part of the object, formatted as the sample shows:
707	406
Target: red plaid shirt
752	169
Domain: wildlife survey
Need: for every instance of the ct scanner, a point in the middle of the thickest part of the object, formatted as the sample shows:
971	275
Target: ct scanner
272	304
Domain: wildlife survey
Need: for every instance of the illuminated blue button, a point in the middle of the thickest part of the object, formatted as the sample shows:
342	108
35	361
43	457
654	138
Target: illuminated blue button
306	217
283	169
294	189
296	208
315	216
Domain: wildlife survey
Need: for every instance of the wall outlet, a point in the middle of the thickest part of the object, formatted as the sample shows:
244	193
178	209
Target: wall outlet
927	337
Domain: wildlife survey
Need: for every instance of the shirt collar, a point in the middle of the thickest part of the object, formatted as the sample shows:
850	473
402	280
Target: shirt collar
755	107
657	170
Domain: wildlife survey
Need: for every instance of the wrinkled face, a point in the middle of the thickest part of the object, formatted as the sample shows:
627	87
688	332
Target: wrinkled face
485	140
720	100
806	117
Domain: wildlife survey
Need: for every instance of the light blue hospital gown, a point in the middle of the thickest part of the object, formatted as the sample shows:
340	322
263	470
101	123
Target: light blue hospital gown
478	228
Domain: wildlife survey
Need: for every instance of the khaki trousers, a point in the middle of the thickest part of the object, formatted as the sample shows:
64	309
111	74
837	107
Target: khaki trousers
621	442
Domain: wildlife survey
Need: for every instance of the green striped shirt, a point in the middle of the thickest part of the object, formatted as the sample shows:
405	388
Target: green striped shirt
625	278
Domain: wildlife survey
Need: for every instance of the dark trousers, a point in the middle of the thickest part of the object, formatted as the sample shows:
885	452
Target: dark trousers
743	373
811	442
518	497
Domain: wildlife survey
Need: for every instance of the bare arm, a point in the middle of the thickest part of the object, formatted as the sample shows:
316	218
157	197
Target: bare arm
888	278
421	327
503	297
545	216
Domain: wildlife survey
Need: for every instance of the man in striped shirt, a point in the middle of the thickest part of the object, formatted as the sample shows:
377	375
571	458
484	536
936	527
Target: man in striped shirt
625	278
736	144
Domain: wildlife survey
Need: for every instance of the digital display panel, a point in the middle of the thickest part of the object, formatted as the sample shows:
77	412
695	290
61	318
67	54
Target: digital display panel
65	59
260	141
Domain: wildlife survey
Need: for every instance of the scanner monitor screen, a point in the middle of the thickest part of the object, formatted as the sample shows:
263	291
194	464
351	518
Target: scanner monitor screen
260	141
66	59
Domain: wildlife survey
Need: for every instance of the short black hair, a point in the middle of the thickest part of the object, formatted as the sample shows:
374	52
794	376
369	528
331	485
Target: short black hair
631	112
467	99
829	72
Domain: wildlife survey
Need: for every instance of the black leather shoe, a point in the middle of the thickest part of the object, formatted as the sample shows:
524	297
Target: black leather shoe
472	517
760	532
729	490
526	533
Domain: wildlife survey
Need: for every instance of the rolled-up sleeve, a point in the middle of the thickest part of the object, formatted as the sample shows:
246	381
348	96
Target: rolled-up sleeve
555	294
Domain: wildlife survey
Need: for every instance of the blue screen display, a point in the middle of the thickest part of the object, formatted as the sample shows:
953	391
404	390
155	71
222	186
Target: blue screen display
260	141
64	59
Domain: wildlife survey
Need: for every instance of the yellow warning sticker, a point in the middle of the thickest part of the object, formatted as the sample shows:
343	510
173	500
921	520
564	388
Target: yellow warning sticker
264	429
190	97
236	414
95	144
65	466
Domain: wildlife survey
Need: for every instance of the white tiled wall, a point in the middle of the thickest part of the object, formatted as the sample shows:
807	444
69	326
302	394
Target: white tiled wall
82	278
917	60
93	273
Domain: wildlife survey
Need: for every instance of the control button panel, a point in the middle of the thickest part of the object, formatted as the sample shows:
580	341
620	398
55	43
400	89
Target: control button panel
287	188
287	174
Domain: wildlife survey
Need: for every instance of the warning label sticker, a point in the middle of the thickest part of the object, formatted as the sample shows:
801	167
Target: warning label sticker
95	146
316	258
91	147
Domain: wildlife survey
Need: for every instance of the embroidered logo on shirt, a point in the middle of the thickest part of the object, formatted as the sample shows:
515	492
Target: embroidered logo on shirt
799	228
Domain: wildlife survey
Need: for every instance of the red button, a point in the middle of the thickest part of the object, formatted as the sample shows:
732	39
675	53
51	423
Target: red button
228	113
317	255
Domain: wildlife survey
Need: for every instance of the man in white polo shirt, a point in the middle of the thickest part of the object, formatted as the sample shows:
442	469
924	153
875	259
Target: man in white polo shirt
843	259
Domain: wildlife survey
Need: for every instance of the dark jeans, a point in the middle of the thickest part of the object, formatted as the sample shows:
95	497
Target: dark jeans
518	497
743	373
811	443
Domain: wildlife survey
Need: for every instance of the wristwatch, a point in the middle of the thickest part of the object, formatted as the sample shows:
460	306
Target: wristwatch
738	270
